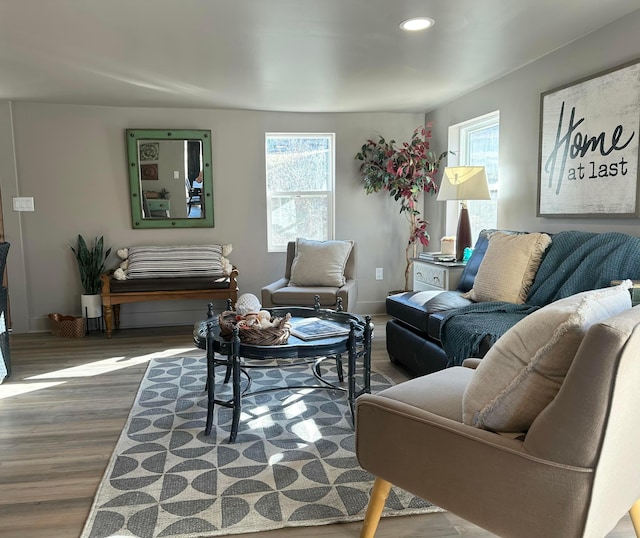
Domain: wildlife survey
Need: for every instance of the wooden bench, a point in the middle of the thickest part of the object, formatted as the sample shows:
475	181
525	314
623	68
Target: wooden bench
116	292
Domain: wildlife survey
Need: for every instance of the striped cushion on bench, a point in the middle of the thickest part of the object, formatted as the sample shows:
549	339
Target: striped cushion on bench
179	261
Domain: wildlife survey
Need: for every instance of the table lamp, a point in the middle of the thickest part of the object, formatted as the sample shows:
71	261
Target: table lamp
464	183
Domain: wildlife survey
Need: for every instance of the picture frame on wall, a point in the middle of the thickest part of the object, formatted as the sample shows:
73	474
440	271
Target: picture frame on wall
149	172
149	151
588	150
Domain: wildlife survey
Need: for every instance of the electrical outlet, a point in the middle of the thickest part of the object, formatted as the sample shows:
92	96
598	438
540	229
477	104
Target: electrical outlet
23	203
379	273
176	174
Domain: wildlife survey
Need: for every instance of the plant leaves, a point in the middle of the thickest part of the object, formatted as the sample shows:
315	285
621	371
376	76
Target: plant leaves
91	263
404	173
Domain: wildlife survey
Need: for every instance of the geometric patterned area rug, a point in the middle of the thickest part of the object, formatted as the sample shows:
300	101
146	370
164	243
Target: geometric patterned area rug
293	462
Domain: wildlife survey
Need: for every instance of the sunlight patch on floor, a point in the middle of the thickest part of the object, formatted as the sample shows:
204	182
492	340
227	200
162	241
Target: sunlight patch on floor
260	422
295	410
307	430
108	365
7	390
276	458
104	366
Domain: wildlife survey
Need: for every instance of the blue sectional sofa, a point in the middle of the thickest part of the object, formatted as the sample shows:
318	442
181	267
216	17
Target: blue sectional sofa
431	331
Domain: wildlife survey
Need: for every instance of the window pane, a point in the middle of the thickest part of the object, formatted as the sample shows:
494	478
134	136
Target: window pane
300	179
298	164
483	214
298	216
482	150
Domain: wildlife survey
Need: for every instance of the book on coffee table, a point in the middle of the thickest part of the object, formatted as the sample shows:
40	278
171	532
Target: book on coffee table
315	328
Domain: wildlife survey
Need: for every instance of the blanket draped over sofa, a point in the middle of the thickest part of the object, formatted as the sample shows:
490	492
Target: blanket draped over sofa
574	262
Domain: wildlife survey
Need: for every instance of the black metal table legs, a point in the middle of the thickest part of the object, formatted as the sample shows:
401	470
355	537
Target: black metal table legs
354	355
358	350
237	394
232	364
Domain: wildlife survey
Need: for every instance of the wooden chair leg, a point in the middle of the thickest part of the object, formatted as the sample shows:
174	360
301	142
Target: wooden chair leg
379	496
635	517
116	315
108	319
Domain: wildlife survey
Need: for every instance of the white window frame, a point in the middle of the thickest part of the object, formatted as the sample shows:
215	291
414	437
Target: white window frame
458	136
330	194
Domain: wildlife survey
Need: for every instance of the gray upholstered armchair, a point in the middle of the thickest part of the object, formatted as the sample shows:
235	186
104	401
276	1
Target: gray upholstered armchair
574	473
284	292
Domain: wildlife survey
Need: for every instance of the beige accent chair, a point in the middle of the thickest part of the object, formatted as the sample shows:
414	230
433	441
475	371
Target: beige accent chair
575	473
280	293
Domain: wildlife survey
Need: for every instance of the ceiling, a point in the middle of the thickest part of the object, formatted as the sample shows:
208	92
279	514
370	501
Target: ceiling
279	55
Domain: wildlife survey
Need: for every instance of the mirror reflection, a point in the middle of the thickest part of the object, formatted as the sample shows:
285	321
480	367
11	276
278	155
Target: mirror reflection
170	178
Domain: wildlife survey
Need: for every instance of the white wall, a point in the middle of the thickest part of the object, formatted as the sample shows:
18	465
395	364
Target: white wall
517	96
12	224
72	160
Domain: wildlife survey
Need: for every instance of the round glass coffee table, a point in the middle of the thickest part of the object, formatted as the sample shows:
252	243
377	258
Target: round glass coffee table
353	342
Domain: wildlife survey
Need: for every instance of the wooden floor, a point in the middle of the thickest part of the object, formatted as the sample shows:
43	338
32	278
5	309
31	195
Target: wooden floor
61	413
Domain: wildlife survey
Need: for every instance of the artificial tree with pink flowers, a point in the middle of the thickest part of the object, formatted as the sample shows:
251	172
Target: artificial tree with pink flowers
405	172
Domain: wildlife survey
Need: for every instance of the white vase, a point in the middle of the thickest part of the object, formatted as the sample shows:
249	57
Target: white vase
91	306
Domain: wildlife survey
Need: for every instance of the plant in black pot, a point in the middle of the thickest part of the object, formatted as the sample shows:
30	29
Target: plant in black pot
91	265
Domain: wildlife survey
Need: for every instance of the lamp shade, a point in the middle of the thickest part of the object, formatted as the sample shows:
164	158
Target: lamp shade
464	183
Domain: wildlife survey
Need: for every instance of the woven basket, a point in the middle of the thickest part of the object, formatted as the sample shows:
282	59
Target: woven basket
270	336
67	326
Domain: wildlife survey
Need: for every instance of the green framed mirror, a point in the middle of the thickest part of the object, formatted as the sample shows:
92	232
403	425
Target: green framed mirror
170	177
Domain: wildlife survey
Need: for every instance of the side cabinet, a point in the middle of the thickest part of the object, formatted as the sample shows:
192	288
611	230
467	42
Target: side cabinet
433	276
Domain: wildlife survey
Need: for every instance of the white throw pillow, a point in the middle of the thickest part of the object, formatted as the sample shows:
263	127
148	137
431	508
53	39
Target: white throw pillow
508	267
320	263
523	371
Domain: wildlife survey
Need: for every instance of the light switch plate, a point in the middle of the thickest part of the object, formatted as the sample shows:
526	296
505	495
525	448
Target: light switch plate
23	203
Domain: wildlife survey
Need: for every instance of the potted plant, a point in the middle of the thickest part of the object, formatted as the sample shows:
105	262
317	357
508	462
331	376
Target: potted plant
91	266
405	172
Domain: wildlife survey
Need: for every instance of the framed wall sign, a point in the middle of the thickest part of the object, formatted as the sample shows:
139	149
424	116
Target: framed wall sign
589	140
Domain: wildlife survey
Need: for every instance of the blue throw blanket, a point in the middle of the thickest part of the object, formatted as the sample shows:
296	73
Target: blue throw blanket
574	262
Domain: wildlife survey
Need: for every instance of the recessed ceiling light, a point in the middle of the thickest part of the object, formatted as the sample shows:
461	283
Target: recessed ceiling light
417	23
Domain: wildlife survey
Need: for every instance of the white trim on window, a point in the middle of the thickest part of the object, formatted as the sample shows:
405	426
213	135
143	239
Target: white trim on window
321	226
458	144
